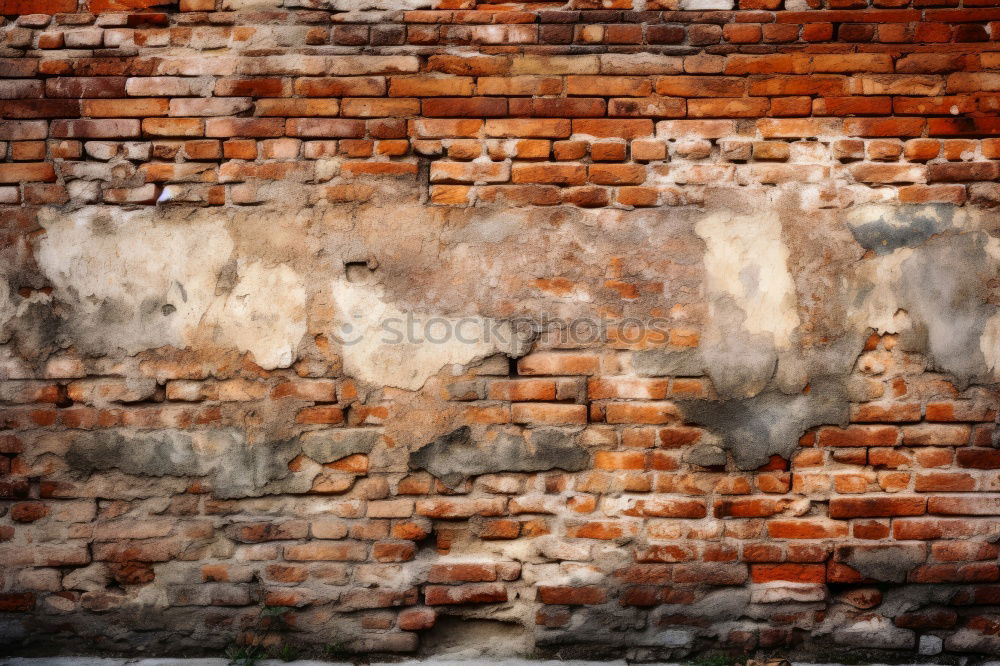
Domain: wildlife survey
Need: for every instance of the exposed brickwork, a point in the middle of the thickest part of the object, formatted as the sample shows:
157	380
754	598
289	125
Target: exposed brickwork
506	102
166	534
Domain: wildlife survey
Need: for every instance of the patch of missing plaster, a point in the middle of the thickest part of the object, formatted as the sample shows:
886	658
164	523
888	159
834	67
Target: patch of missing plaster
235	467
770	423
387	346
884	228
458	455
132	281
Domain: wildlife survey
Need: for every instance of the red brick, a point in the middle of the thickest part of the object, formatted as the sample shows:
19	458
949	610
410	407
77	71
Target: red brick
651	413
309	127
417	619
627	388
326	551
587	595
549	173
244	127
929	434
892	413
173	127
863	507
858	436
806	529
528	127
796	573
85	86
617	174
325	414
462	573
460	507
400	551
964	506
944	482
557	107
481	593
27	172
17	602
500	528
877	127
728	107
548	413
609	86
28	512
607	127
953	194
457	107
518	390
749	507
978	458
964	171
95	129
976	572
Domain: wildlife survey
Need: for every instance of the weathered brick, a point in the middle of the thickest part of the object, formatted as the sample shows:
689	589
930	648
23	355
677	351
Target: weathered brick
477	593
863	507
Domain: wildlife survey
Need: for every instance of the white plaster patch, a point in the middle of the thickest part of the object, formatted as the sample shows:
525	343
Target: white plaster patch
120	271
880	308
747	260
989	344
134	282
264	314
384	345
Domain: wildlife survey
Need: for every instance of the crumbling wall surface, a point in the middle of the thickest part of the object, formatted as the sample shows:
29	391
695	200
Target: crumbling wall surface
585	328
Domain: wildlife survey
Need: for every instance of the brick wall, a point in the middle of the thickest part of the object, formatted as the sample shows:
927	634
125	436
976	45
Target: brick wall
778	215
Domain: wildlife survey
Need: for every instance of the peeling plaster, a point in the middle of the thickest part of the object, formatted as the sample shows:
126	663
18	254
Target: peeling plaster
133	282
116	273
386	346
747	260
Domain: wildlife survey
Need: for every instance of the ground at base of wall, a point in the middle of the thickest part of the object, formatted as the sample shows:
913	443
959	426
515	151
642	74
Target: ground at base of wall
124	661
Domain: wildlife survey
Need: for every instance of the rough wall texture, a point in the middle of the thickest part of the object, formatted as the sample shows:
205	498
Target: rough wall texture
642	326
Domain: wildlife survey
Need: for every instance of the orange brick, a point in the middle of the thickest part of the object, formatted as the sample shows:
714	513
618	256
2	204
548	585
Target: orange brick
617	127
554	128
427	86
732	107
637	196
550	173
650	413
548	413
558	363
617	174
519	390
609	86
797	573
